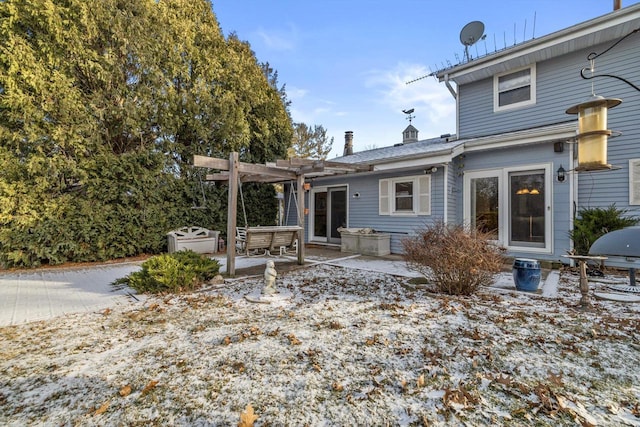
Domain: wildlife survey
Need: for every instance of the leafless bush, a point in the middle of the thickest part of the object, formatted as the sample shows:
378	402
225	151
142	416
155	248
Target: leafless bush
455	261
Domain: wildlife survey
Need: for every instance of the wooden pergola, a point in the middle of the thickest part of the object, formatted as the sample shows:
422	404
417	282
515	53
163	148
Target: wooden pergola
233	171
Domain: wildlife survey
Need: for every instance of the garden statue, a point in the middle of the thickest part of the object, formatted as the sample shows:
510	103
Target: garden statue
270	275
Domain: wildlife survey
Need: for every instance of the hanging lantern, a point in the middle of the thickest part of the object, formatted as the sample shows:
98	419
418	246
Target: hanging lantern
592	132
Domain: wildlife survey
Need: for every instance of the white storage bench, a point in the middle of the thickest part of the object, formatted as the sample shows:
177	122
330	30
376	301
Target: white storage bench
197	239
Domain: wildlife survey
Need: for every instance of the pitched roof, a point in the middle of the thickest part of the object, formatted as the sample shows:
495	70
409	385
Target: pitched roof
424	148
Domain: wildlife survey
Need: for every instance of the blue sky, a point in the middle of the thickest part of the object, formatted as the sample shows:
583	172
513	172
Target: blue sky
345	63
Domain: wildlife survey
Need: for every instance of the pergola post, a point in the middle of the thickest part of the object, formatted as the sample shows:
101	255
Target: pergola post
301	219
283	171
232	214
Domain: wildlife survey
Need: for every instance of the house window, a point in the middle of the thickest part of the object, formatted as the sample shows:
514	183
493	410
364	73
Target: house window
634	181
514	89
405	196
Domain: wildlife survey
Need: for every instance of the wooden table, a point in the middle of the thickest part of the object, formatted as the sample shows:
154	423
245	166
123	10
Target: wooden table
585	303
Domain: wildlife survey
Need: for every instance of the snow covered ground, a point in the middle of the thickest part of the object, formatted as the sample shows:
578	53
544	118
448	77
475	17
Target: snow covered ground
350	347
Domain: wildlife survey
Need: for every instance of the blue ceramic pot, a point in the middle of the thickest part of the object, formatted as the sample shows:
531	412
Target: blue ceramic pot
526	274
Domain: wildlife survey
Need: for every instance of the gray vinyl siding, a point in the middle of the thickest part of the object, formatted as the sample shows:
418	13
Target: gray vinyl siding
558	86
561	209
363	211
601	189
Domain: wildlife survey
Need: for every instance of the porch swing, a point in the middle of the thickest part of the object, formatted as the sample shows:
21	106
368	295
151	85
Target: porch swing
264	240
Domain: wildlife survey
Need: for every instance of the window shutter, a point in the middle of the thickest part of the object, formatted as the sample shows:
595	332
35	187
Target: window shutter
424	195
384	199
634	182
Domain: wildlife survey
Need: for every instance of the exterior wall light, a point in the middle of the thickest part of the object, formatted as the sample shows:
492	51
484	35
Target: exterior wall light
561	174
592	132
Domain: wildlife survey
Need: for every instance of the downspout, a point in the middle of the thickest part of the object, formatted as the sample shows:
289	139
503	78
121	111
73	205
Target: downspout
445	185
573	191
455	96
451	89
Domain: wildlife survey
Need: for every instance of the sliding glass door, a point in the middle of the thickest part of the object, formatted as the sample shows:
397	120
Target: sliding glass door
329	213
528	223
513	205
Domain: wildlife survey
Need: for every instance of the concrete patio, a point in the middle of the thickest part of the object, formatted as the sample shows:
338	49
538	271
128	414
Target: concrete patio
41	294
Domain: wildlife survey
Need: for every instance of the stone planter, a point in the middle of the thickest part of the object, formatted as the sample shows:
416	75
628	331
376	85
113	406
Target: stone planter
375	244
349	242
365	242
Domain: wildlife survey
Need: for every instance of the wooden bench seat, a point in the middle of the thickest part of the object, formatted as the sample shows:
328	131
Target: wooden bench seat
268	239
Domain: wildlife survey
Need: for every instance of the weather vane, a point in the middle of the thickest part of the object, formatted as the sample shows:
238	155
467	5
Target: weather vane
409	116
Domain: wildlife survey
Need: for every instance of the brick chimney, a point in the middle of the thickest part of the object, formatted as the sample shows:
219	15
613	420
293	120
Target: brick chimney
348	143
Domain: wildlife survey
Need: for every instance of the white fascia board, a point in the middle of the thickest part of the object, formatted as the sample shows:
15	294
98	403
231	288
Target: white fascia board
533	136
412	163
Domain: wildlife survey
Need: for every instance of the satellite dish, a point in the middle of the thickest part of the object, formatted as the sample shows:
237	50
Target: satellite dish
471	33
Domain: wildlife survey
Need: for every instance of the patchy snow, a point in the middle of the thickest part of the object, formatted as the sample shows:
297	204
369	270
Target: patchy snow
349	347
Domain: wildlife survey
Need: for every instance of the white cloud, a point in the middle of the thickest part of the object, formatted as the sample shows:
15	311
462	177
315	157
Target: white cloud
431	100
279	40
296	93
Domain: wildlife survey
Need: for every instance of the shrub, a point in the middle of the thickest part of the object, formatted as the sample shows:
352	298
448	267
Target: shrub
592	223
176	272
455	261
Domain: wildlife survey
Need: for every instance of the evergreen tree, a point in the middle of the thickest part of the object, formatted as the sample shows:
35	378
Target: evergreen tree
102	106
310	142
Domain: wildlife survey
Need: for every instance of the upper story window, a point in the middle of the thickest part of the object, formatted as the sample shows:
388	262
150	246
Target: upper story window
514	89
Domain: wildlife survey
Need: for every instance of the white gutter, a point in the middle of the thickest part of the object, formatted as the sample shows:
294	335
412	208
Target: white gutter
415	162
565	131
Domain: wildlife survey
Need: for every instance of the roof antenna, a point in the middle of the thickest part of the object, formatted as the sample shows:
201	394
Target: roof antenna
533	33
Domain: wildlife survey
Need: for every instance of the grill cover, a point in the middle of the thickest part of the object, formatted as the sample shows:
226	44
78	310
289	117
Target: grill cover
622	243
621	247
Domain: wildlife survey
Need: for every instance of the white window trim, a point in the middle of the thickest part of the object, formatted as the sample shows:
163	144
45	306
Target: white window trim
311	201
531	101
634	185
421	191
504	230
548	197
466	203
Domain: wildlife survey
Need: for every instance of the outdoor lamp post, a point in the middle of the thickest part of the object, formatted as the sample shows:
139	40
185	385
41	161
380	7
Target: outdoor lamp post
592	132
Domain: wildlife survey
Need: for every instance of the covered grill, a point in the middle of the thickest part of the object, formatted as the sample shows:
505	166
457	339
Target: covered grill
622	249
